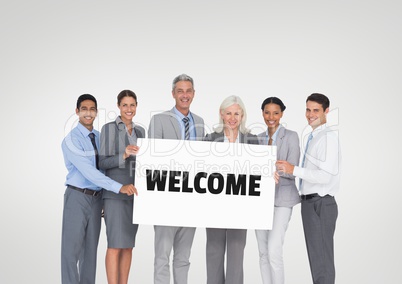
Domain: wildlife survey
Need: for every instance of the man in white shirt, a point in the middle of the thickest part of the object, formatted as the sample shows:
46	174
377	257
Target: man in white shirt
319	174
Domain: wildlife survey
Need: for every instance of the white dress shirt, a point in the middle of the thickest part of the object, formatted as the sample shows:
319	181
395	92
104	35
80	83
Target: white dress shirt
321	171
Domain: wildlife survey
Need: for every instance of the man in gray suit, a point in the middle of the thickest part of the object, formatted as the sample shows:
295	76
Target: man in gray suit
177	123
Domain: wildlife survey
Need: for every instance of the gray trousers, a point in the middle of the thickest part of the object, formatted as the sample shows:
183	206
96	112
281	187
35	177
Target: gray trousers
218	241
180	239
319	216
80	236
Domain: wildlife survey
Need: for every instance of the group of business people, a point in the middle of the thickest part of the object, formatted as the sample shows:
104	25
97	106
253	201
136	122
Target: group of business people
100	182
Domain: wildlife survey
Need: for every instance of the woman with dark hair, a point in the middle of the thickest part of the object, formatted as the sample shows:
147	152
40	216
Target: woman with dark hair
270	242
232	129
117	158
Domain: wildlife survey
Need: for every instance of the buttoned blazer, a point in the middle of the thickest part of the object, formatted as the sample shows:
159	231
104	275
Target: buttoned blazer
166	126
113	143
288	149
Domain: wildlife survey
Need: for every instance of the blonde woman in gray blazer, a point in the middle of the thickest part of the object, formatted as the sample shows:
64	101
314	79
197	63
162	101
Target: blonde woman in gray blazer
221	241
270	242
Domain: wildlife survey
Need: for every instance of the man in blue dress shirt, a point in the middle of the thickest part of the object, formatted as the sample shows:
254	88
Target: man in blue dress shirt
83	197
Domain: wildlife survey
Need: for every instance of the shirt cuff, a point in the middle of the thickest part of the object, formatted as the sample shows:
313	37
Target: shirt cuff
298	172
115	187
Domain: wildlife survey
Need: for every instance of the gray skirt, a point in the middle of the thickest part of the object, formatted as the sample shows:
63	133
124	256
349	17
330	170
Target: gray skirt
120	230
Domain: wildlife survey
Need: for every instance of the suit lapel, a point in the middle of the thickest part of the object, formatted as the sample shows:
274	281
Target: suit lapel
242	137
137	132
198	129
175	123
279	139
261	138
122	133
218	137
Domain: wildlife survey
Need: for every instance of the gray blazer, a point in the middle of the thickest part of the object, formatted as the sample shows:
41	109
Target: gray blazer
287	143
165	126
113	143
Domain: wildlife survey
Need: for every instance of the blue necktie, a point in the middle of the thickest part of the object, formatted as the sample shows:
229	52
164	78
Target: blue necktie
186	128
304	157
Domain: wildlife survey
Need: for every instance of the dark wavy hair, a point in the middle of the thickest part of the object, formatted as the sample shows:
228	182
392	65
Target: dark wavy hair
319	98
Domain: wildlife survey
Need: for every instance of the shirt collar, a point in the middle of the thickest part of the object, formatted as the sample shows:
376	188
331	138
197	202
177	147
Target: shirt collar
84	130
319	129
273	136
225	139
120	123
180	115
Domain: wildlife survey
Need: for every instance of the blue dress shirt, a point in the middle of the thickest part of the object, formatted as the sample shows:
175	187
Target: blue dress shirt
79	158
180	117
273	136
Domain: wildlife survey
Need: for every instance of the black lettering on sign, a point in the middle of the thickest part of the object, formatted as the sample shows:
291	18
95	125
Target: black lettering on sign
234	188
197	180
179	182
211	179
185	183
253	184
173	181
155	178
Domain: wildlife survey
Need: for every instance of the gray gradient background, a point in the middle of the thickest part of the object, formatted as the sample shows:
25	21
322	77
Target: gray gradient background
53	51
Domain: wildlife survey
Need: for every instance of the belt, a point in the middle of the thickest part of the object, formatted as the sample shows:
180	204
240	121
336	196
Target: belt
309	196
85	190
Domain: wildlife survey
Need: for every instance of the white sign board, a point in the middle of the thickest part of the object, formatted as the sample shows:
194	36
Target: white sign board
204	184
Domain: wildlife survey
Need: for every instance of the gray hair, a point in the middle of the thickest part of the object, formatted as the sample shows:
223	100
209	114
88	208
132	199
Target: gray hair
229	101
182	77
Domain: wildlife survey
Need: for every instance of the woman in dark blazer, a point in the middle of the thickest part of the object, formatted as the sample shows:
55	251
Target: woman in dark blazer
117	158
232	118
270	242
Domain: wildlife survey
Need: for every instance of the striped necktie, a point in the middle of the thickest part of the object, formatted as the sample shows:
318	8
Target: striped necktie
186	128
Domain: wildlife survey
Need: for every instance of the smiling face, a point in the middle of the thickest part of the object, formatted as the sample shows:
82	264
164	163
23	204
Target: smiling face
315	114
87	113
232	116
128	109
272	114
183	93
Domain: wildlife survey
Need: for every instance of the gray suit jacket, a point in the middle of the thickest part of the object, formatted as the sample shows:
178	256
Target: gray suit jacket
113	143
288	149
166	126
